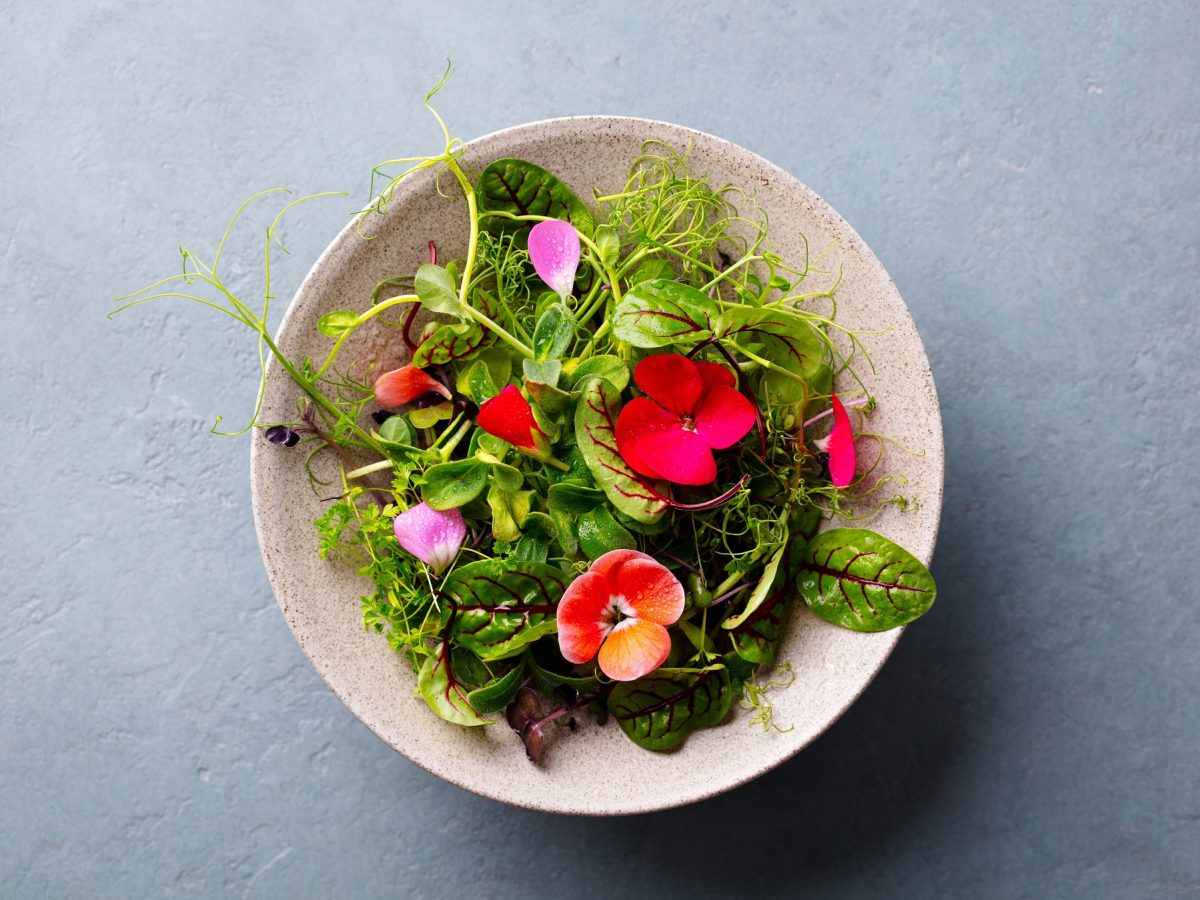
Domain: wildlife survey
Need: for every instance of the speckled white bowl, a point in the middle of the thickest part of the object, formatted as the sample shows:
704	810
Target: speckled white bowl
596	771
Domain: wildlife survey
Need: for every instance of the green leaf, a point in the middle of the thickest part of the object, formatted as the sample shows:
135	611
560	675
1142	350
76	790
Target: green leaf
337	323
659	711
862	581
599	533
595	430
759	594
756	637
547	679
445	696
652	270
437	290
608	242
499	692
549	399
503	605
507	478
486	376
395	431
553	334
546	371
783	339
613	368
452	484
537	531
521	188
509	509
663	313
428	416
450	341
573	497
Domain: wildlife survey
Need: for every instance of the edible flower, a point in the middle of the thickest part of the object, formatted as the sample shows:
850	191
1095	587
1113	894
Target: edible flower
509	417
554	252
618	610
402	386
839	444
691	409
433	536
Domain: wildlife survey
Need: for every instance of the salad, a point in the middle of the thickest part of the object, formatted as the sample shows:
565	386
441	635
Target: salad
599	482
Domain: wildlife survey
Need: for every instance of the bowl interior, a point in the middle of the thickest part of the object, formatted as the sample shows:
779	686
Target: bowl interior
596	770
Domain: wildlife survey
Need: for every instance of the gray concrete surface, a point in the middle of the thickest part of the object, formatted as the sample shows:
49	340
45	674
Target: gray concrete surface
1028	173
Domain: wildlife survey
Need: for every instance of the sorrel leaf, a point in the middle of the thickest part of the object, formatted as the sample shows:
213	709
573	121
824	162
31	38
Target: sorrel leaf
595	430
454	484
501	606
443	693
451	341
662	313
499	692
521	188
783	339
659	711
862	581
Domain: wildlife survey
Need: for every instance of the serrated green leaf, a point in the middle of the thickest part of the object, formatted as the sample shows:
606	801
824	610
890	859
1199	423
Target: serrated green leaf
453	484
501	606
595	430
862	581
659	711
445	696
664	313
437	290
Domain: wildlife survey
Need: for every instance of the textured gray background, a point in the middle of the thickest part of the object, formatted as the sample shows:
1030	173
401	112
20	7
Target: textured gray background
1027	172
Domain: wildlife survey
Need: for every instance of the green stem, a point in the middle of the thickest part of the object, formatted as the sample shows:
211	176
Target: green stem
454	441
766	363
370	313
367	470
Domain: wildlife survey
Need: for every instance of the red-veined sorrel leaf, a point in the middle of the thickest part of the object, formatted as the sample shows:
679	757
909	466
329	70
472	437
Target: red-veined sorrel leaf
664	313
862	581
502	606
595	430
522	189
454	340
659	711
443	693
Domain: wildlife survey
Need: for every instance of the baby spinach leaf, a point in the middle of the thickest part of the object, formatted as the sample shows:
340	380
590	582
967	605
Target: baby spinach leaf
445	696
337	323
503	605
553	334
662	313
599	533
437	291
453	484
499	692
862	581
521	188
613	368
595	430
659	711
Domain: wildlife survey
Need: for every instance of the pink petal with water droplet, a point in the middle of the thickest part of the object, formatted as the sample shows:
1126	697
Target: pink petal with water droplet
840	447
554	251
433	536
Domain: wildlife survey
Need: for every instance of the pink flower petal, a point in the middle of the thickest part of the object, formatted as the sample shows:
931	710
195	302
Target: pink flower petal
402	386
433	536
712	374
840	447
679	455
554	251
650	591
670	379
639	417
724	416
584	617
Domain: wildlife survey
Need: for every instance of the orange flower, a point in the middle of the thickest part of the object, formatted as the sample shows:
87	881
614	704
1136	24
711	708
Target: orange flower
619	608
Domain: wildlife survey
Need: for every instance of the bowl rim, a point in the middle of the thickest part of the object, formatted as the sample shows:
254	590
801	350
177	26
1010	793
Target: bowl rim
936	492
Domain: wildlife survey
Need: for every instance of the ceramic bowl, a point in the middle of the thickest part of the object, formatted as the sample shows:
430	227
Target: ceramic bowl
597	770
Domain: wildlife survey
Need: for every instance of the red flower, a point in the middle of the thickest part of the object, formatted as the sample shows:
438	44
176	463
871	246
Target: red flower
620	608
404	385
839	444
692	408
509	417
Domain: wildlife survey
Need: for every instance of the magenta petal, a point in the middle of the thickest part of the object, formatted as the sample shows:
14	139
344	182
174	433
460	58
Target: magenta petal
724	416
639	417
671	380
433	536
840	447
681	456
554	251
